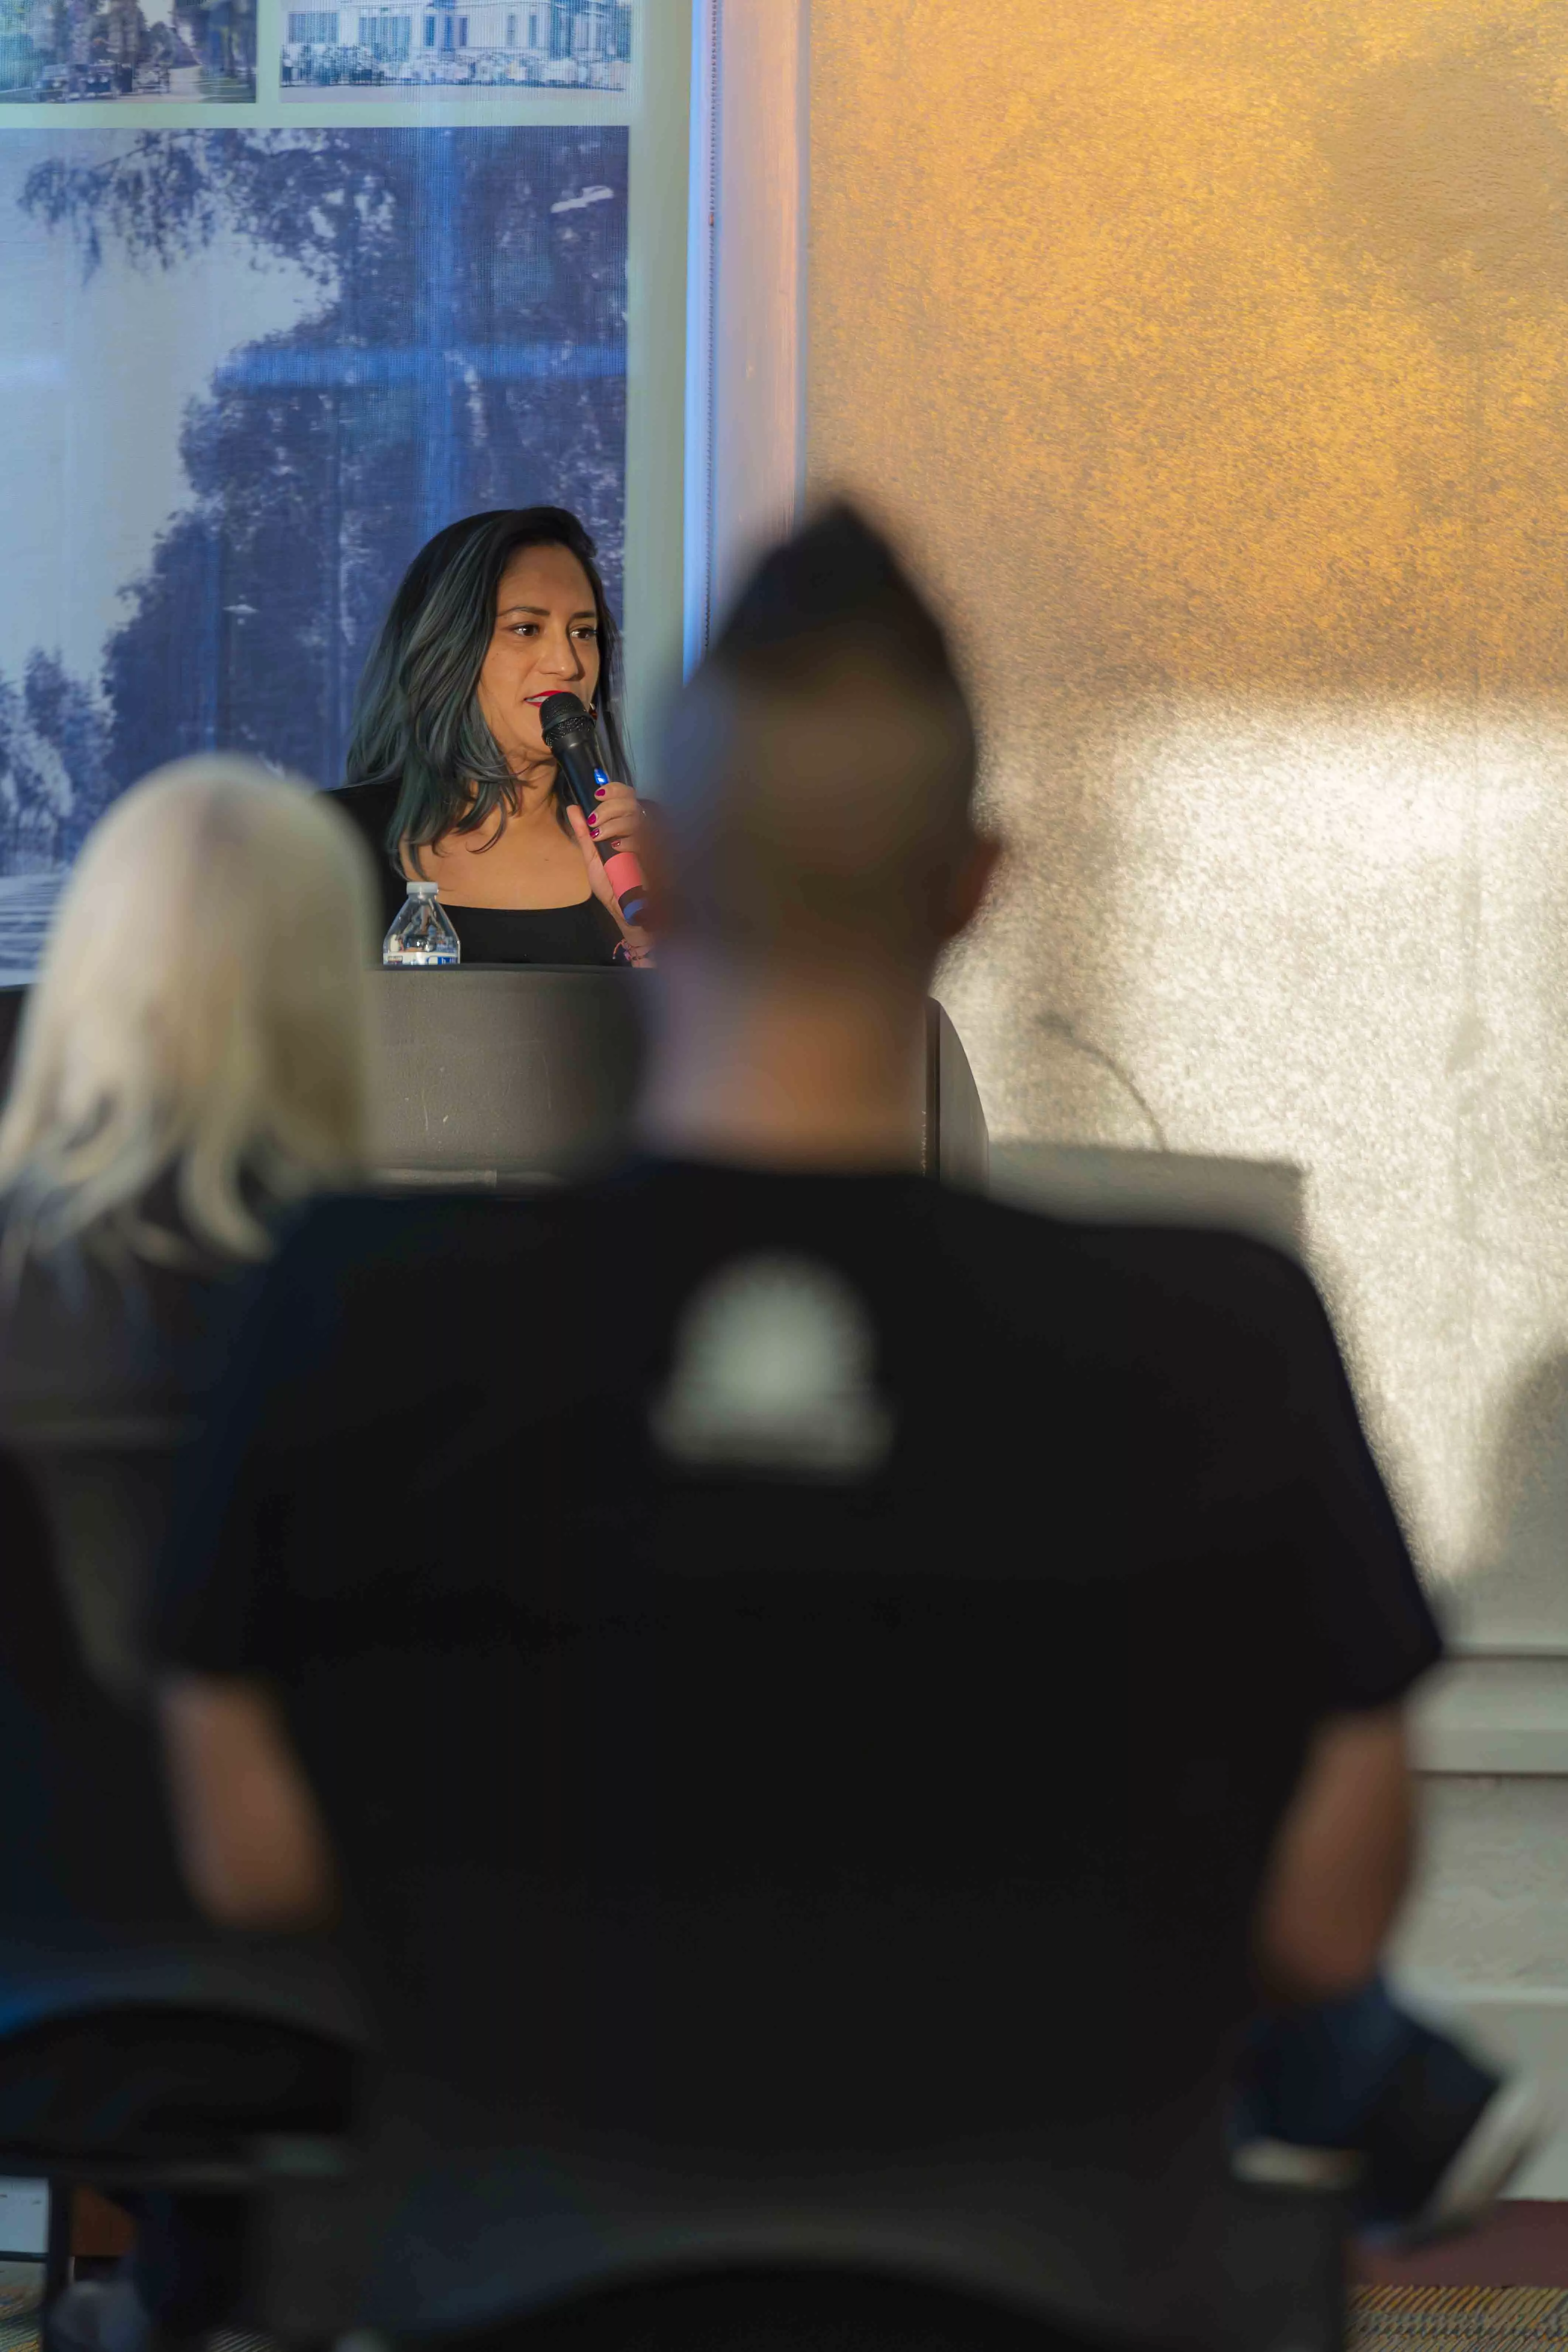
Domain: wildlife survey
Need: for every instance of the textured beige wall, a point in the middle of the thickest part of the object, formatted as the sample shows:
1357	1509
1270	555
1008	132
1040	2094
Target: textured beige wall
1213	355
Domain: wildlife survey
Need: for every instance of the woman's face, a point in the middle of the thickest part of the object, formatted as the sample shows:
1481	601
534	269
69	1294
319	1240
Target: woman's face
546	640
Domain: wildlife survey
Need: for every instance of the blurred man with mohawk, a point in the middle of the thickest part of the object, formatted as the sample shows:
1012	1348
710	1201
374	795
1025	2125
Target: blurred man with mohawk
824	1697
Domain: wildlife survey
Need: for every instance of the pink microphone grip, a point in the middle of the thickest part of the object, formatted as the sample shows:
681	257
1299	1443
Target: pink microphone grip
625	879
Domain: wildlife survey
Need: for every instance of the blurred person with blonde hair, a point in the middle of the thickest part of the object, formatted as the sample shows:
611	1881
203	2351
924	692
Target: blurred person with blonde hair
192	1052
190	1063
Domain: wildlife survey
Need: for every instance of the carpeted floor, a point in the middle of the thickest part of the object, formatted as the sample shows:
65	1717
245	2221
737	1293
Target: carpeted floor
1384	2318
1523	2243
19	2284
1458	2319
22	2336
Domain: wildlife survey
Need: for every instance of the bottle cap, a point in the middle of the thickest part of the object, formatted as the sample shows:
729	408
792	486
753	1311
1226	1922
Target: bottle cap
424	889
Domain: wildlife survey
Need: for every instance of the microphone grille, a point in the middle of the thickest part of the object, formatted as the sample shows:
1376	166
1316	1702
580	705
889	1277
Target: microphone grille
558	711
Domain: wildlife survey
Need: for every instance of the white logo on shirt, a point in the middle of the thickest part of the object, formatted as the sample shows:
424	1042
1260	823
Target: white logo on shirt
773	1371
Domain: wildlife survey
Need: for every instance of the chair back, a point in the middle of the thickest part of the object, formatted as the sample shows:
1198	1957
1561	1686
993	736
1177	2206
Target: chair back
106	1486
804	2308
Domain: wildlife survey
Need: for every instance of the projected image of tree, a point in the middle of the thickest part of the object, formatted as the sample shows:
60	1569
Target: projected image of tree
462	345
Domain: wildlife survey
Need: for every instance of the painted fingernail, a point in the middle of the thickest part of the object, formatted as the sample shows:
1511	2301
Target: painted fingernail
599	792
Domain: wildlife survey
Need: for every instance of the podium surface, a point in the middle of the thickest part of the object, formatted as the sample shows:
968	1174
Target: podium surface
518	1075
500	1074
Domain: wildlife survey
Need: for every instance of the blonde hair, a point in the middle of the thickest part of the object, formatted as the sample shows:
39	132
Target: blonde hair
199	1016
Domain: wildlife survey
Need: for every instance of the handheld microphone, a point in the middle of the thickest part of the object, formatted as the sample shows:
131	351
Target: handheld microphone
570	734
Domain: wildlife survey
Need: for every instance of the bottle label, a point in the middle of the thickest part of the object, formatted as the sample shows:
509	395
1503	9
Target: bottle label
418	956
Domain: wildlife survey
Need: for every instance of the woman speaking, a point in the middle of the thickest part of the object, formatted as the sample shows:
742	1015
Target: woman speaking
450	777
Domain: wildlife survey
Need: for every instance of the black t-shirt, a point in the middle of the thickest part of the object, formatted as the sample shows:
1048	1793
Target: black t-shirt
801	1671
584	933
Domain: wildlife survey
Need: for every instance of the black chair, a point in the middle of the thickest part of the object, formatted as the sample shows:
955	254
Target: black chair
144	2054
828	2283
198	2119
794	2309
105	1484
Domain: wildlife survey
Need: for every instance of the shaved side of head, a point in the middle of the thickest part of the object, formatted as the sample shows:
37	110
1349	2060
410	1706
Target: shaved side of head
818	770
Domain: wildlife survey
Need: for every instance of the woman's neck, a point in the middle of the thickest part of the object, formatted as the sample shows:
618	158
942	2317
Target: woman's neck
535	789
519	856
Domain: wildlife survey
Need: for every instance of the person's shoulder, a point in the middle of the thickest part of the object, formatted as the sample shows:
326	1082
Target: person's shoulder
1134	1276
368	807
1211	1269
356	1239
372	1299
81	1333
1178	1257
380	794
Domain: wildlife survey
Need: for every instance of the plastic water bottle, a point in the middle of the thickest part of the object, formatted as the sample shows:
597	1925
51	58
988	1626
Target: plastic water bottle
422	935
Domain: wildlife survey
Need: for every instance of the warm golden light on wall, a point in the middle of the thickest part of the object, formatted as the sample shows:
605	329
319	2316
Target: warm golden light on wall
1212	354
1243	327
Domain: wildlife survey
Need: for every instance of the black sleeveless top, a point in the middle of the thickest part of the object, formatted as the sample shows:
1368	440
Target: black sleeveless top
585	933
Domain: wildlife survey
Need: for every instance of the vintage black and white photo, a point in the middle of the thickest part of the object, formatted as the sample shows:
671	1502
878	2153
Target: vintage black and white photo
433	45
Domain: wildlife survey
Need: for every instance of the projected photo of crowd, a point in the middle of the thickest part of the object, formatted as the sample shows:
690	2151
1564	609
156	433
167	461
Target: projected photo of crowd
430	44
328	344
54	51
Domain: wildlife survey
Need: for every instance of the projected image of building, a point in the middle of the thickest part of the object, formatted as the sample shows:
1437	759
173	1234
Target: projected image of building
546	44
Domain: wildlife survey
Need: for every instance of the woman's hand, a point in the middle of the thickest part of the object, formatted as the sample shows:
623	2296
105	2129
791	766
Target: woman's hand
636	943
618	816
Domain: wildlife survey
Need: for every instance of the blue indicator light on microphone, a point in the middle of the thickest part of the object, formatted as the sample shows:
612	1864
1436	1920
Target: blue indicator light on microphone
600	777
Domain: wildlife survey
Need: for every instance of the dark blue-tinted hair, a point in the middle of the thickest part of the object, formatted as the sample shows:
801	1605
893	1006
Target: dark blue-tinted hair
417	722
